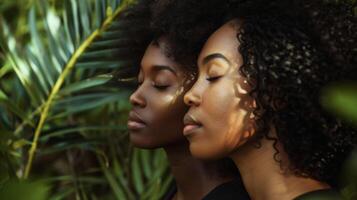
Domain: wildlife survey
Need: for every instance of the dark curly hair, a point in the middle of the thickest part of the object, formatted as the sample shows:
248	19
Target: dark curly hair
134	37
290	50
177	20
138	16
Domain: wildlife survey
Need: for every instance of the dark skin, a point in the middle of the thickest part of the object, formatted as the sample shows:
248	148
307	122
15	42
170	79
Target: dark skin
155	121
220	73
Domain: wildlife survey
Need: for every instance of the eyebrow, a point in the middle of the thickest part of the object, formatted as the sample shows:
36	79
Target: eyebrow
163	67
214	56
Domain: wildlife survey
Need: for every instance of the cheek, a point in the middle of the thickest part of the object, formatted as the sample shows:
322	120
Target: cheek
167	119
225	125
221	106
235	133
165	125
169	107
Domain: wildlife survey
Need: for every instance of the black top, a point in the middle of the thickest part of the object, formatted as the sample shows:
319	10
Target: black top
325	194
234	190
231	190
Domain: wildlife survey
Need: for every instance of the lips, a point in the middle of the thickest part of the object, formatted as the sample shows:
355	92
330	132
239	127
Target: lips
135	123
191	125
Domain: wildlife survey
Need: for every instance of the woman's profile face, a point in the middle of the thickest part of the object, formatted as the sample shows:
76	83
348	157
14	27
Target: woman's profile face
215	124
157	104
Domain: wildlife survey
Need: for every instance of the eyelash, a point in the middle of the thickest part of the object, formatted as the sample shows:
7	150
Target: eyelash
161	87
212	79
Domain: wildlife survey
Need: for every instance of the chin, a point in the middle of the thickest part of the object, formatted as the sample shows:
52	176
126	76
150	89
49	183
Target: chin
148	141
204	153
137	140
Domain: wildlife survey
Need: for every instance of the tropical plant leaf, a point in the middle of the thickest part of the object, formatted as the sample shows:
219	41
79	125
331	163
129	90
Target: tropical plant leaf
61	102
43	82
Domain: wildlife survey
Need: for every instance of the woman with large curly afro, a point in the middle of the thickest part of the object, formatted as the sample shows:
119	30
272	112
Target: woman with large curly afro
257	97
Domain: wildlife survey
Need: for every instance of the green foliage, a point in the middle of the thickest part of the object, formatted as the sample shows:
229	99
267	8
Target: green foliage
21	190
59	118
341	99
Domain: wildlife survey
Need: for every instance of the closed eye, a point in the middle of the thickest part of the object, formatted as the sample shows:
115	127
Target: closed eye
212	79
161	87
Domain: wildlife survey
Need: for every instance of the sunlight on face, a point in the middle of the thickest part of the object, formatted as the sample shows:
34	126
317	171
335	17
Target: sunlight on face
219	100
156	117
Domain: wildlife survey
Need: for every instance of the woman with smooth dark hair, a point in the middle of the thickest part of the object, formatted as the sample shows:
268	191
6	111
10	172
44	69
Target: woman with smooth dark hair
155	120
257	96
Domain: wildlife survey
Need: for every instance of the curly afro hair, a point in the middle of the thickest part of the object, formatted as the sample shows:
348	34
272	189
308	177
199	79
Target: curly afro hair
133	39
136	20
177	21
290	50
335	26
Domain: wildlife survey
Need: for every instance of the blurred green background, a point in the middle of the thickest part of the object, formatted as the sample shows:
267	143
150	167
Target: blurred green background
62	127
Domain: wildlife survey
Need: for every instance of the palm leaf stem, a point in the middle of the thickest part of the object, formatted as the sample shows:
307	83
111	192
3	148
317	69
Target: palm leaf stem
67	69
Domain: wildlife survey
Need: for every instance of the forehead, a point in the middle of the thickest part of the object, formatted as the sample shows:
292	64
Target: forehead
155	55
224	41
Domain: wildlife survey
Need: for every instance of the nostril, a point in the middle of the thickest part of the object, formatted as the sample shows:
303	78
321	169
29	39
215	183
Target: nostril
135	103
187	100
136	100
190	99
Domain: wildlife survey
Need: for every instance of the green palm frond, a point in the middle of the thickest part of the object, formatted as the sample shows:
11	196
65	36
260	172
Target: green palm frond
43	76
58	101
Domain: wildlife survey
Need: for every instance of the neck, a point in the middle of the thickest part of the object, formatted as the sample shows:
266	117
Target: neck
194	178
269	181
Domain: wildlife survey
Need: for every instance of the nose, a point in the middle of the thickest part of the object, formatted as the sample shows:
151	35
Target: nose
192	97
137	99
